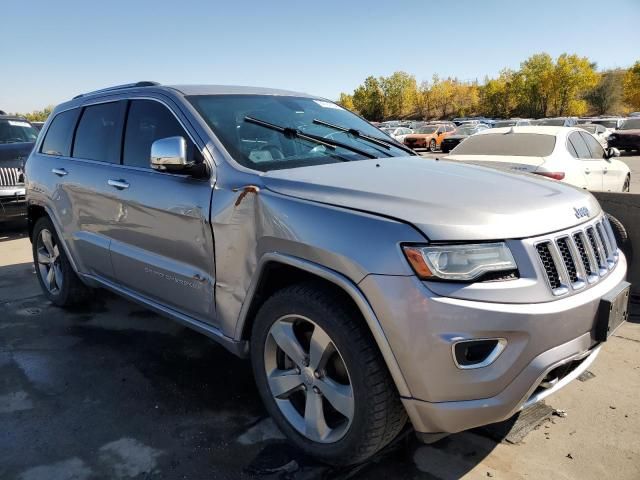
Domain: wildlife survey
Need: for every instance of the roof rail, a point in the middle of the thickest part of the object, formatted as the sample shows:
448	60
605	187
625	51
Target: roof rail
120	87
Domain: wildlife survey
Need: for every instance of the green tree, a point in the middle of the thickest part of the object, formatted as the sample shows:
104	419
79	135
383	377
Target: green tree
606	96
346	101
632	87
573	77
537	85
37	115
399	92
368	100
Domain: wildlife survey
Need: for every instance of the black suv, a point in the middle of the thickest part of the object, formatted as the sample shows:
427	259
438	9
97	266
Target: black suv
17	137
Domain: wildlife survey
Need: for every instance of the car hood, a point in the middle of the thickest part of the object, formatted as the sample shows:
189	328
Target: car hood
445	200
14	154
503	162
419	135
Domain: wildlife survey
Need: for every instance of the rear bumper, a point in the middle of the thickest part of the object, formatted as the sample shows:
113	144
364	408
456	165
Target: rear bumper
422	326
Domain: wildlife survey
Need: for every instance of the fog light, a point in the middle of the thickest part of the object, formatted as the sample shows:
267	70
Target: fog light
477	353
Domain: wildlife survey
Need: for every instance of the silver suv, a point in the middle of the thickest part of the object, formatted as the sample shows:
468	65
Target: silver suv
367	285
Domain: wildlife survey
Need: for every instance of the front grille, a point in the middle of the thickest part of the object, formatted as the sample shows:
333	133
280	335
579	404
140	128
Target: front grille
574	259
544	250
10	176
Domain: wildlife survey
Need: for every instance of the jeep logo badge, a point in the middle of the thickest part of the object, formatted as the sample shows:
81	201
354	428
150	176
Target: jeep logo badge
581	212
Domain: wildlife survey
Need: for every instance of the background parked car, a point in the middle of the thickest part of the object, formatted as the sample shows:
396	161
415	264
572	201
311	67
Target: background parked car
17	138
610	123
627	137
459	134
556	122
37	125
570	155
597	131
398	133
429	137
512	122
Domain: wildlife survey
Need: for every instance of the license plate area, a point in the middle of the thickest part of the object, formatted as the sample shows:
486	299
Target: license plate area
613	311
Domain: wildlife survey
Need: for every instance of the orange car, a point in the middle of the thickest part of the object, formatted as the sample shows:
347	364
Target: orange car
429	136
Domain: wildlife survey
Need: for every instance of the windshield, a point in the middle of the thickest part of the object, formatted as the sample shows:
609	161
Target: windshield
465	131
505	123
606	123
631	124
17	131
507	144
426	129
264	149
552	122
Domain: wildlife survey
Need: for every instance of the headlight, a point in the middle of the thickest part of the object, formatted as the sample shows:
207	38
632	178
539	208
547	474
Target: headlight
459	262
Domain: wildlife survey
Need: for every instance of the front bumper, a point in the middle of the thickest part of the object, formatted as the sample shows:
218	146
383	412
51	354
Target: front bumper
12	202
422	326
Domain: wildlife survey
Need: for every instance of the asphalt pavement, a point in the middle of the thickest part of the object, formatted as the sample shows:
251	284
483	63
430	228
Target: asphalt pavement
113	391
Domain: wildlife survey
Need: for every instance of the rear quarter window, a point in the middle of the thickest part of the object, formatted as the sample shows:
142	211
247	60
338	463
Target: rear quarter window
58	137
508	144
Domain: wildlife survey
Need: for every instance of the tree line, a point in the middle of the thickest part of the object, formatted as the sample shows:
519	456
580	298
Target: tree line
569	85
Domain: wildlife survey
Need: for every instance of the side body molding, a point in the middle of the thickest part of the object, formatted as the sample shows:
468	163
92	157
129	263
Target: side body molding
346	285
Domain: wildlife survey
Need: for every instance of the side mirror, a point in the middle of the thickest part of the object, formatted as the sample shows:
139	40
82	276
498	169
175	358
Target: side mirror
611	152
169	154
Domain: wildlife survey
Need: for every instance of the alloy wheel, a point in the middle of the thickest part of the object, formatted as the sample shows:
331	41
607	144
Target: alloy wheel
627	184
308	379
49	261
432	145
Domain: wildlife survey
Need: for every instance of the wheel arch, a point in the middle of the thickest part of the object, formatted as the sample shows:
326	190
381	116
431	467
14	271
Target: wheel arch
34	213
276	271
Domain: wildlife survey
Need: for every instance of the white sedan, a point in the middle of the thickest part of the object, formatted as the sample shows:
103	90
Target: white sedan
397	133
567	154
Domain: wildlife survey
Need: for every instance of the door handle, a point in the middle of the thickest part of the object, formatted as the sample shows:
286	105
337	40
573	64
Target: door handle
61	172
119	184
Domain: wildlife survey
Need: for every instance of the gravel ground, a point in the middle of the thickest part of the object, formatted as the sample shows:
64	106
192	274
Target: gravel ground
115	391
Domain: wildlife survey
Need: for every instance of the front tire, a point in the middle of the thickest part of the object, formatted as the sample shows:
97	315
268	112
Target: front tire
321	376
433	145
58	280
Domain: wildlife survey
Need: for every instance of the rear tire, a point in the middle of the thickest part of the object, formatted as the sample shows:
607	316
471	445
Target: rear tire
58	280
309	312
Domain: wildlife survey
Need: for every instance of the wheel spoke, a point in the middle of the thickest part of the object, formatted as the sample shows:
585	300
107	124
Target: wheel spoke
315	425
43	258
283	382
51	278
47	241
285	337
57	275
56	252
339	396
320	349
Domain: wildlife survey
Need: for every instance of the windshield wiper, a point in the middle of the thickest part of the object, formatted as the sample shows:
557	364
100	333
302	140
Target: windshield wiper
293	132
357	133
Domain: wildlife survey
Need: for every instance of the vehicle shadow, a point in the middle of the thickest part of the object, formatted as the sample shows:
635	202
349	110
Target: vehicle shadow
131	374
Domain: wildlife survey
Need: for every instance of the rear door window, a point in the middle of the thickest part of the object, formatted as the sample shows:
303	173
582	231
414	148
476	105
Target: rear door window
597	152
579	146
99	134
58	137
147	122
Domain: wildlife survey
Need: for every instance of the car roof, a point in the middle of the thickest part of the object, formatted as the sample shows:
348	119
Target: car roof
234	90
539	129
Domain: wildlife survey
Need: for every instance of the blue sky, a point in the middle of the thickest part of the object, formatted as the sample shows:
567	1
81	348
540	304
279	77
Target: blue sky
52	50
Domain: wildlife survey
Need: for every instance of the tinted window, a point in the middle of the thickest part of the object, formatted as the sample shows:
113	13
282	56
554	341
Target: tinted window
512	144
58	139
579	146
99	133
147	122
17	131
597	152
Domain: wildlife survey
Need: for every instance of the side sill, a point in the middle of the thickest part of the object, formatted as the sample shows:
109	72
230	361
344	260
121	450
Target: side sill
238	348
